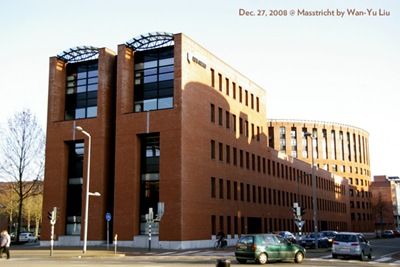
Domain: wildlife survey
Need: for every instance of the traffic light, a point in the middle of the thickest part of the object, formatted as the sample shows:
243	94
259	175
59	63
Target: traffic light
302	211
50	215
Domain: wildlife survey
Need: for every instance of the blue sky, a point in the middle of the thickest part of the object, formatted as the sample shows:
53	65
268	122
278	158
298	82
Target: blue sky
326	68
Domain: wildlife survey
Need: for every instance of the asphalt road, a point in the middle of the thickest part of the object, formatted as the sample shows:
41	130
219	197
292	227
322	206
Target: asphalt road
385	253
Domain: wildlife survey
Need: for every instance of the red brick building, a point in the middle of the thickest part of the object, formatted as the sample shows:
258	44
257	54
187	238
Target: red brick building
338	148
386	192
170	122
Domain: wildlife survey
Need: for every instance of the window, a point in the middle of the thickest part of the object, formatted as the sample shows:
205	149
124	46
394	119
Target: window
228	154
81	90
149	177
220	152
235	156
220	116
154	79
234	122
227	86
212	149
221	188
212	113
228	118
213	187
74	188
212	78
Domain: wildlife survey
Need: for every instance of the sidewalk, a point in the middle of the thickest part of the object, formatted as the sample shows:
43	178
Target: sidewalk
18	251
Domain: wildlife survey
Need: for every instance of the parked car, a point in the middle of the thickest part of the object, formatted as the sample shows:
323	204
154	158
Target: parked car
27	237
330	235
288	235
309	241
396	233
264	248
388	233
12	236
351	245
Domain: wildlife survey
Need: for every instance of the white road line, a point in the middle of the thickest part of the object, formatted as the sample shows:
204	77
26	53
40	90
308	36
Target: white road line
383	259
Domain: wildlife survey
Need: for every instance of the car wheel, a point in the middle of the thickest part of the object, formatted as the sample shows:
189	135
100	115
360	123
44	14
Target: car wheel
334	256
362	256
370	255
262	258
241	260
298	258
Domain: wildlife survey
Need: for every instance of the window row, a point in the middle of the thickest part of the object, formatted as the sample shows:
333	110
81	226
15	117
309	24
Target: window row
233	190
243	96
358	181
154	79
238	157
81	90
245	159
327	144
359	193
360	205
361	216
231	122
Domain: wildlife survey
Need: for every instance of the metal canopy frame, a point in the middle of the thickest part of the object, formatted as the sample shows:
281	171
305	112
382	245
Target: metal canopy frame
79	53
151	40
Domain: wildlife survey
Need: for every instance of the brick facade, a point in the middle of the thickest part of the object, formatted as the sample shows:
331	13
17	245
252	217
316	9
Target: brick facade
216	169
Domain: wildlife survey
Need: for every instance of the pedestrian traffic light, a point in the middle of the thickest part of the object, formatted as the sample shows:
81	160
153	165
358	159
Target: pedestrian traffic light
50	215
302	211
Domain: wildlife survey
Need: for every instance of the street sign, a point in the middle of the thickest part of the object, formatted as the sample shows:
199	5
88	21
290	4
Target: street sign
108	216
299	223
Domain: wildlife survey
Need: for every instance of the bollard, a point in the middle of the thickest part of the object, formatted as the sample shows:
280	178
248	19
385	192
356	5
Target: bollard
115	243
223	263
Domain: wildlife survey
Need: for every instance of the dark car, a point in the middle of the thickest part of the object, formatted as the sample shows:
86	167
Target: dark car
351	245
264	248
309	241
330	235
396	233
388	233
287	235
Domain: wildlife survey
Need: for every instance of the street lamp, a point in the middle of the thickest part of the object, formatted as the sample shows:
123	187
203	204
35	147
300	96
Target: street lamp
80	129
314	188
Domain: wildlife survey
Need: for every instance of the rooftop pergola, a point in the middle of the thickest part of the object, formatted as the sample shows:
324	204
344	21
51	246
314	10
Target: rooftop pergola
79	53
151	41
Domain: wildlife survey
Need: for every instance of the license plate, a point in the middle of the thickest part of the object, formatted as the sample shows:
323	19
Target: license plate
243	247
345	249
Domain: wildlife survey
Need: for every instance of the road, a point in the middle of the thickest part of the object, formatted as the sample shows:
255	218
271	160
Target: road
384	252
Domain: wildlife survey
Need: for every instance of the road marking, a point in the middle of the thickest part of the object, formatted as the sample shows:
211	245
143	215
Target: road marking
383	259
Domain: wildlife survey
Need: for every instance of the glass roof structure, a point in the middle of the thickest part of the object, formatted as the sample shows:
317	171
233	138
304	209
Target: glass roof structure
79	53
151	41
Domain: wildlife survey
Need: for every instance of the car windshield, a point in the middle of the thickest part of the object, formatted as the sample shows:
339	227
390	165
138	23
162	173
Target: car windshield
346	238
246	240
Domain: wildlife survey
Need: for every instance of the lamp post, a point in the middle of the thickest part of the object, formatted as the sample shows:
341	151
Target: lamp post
314	188
80	129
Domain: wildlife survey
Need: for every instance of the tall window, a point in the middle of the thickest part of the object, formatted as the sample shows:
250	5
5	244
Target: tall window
149	178
74	189
154	79
81	90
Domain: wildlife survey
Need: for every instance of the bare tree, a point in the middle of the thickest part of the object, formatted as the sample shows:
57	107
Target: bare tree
381	209
22	157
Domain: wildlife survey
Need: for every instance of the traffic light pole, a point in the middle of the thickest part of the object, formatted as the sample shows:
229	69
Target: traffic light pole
52	215
52	237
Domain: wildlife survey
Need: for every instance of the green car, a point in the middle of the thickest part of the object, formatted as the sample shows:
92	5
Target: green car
263	248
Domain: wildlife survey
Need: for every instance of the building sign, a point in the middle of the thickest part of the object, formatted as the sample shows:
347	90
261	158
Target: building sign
196	60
